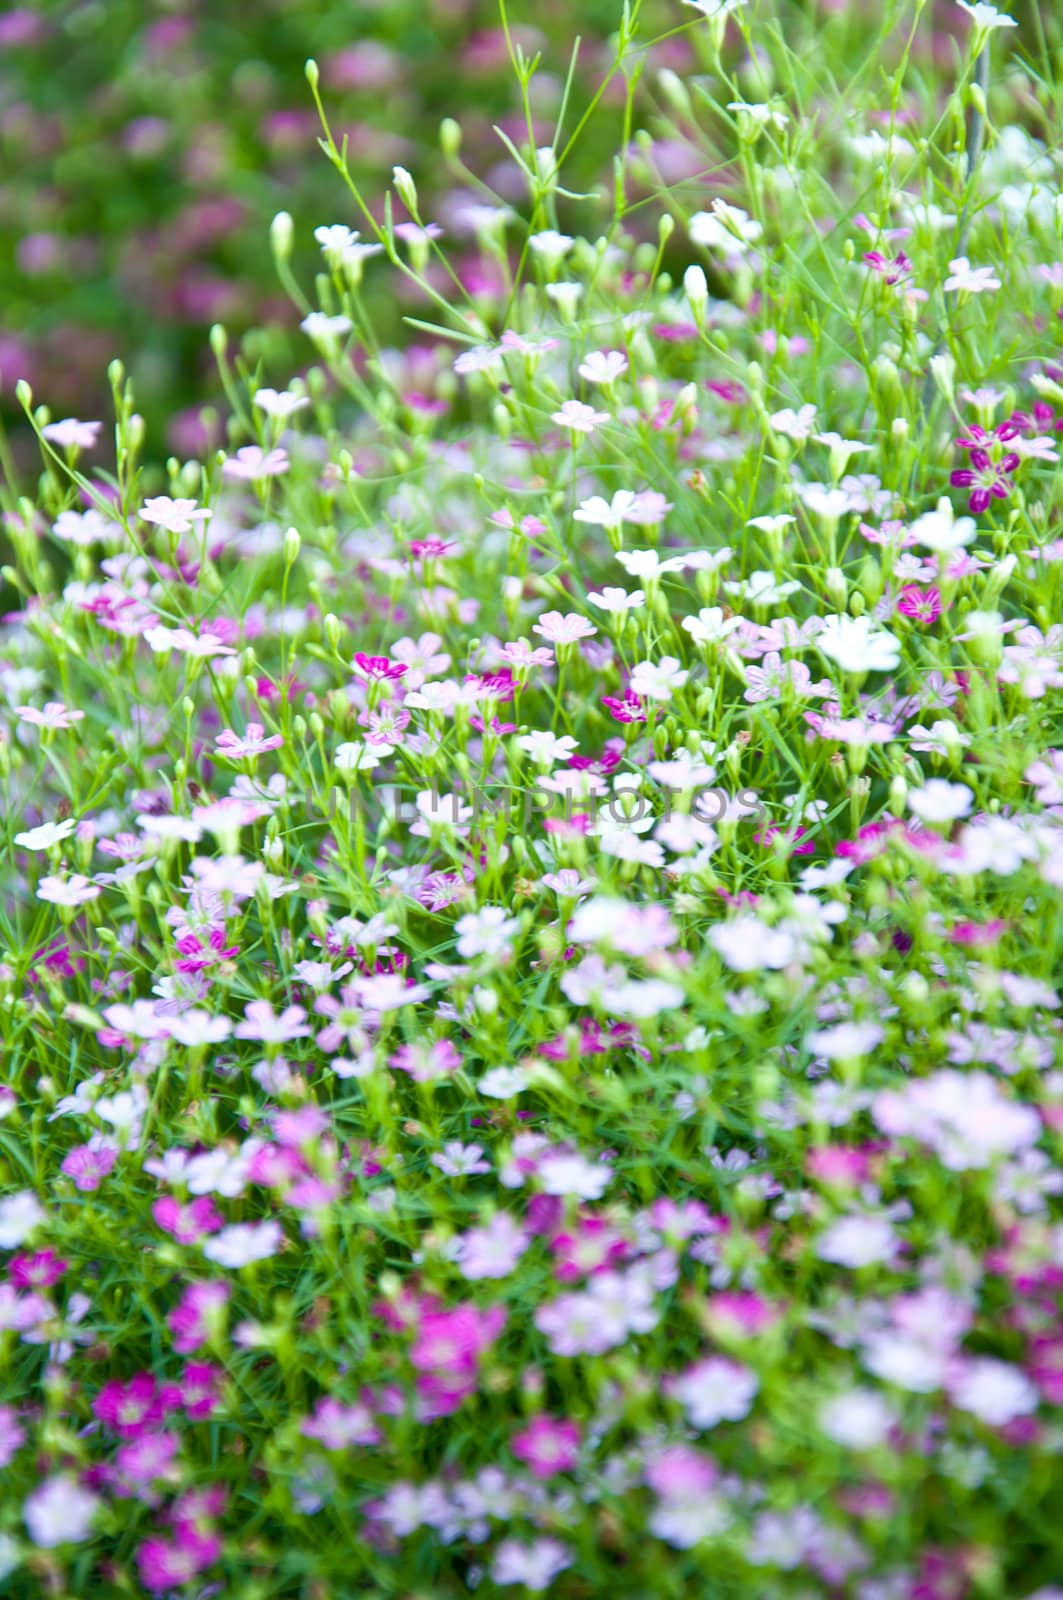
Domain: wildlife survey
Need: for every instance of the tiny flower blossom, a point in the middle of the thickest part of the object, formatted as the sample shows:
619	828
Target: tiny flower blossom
251	463
175	516
579	418
253	743
971	280
603	366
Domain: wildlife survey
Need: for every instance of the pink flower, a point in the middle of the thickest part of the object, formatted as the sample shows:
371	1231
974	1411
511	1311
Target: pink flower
71	434
251	463
200	1389
261	1023
176	516
196	1315
251	745
426	1060
563	629
337	1427
493	1250
547	1446
188	1222
88	1166
54	715
577	417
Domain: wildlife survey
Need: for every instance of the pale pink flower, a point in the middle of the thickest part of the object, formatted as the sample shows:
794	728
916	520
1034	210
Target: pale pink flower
579	418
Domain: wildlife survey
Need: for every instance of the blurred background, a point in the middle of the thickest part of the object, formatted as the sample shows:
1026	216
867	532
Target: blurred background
145	146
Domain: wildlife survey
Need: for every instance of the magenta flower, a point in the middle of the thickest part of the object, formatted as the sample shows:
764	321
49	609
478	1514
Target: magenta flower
200	1389
452	1341
921	605
991	466
629	708
379	667
547	1446
130	1409
891	271
171	1564
38	1271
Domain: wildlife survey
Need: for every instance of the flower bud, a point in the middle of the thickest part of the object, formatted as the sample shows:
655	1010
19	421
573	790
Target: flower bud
696	289
405	188
449	137
281	235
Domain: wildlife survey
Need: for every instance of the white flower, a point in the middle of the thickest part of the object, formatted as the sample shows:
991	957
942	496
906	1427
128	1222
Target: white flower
710	626
762	589
658	680
725	227
355	756
940	801
942	530
985	16
972	280
502	1083
325	330
550	244
546	747
487	932
603	366
857	645
860	1419
46	835
280	404
243	1243
60	1511
858	1241
747	945
602	513
845	1042
716	1390
994	1391
617	601
795	425
19	1214
575	1175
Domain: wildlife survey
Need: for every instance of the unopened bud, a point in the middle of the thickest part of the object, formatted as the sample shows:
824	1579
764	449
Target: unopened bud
281	235
292	543
405	188
449	137
696	288
674	92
